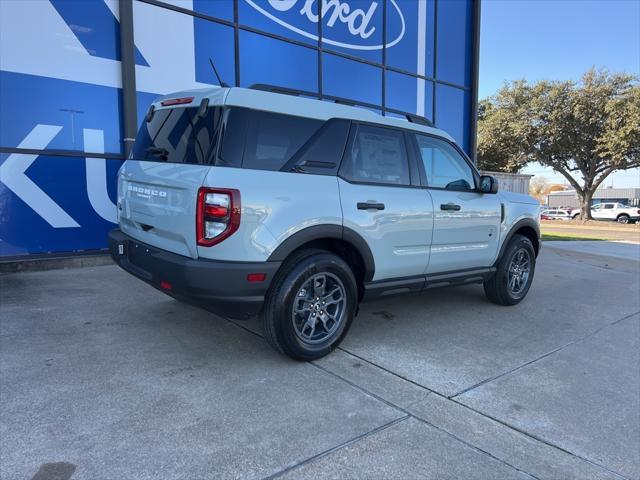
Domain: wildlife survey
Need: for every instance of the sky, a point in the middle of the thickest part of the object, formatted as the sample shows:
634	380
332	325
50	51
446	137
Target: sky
558	40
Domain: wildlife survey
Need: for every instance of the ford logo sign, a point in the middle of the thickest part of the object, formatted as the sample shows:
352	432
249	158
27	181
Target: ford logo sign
357	20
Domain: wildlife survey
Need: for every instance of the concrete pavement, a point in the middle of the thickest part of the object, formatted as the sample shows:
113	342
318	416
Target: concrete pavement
103	377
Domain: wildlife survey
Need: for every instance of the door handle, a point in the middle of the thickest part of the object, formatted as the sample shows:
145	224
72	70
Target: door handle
370	206
450	206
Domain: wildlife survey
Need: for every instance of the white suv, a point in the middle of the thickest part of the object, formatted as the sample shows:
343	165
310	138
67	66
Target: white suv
249	201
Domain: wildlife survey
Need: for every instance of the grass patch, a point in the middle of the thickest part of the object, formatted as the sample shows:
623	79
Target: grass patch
567	237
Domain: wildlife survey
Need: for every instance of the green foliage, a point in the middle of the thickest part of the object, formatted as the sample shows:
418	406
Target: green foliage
583	130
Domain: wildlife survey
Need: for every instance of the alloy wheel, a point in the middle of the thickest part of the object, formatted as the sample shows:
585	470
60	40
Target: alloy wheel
319	308
519	271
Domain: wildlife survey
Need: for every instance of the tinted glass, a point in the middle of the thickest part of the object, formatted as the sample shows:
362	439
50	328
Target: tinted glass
377	155
608	206
233	137
443	165
324	150
178	135
272	139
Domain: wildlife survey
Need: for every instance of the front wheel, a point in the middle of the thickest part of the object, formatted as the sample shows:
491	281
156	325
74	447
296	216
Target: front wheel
624	219
514	273
310	306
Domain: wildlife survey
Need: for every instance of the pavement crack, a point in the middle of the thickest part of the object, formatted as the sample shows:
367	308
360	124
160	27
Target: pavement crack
340	446
408	414
538	439
478	412
540	357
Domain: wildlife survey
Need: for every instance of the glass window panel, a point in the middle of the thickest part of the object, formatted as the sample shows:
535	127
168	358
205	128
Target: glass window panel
377	155
266	60
453	113
455	33
323	154
215	8
272	139
284	18
28	100
350	79
64	179
402	94
403	48
354	28
216	42
443	165
179	135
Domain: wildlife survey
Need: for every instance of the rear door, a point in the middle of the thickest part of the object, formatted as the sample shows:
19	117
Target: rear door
609	211
158	186
466	222
382	201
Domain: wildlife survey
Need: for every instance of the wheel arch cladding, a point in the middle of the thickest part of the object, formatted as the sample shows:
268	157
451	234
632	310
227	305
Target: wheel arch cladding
526	227
342	241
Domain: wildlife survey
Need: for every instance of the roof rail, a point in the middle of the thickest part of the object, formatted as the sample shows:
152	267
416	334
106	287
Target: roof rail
411	117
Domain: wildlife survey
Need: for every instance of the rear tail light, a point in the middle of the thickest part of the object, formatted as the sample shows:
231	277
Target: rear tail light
217	215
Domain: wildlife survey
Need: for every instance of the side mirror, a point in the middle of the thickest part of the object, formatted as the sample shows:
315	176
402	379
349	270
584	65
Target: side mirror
488	184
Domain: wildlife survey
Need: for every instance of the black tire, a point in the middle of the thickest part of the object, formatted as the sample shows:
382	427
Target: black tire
497	288
281	322
624	218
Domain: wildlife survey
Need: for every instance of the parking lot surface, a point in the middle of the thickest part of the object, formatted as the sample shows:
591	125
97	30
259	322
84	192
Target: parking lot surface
103	377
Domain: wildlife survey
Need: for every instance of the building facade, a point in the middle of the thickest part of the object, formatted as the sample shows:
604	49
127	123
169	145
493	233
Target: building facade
76	76
569	198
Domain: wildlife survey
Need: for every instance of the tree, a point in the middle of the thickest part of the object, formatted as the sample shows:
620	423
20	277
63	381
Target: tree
538	188
584	130
504	130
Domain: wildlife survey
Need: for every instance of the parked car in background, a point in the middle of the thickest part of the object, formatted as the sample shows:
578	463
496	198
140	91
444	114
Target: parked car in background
614	211
555	214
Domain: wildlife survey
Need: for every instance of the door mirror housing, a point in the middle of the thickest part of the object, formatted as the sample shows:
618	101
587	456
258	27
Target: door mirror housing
488	184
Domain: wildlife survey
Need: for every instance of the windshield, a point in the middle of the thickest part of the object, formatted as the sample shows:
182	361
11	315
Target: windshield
179	135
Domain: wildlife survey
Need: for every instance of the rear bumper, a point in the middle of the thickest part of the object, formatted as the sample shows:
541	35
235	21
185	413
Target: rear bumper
221	287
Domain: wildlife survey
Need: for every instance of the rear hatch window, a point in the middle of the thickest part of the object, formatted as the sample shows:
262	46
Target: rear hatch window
179	135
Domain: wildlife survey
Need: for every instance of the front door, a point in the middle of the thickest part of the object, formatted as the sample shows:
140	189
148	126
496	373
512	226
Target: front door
380	203
466	222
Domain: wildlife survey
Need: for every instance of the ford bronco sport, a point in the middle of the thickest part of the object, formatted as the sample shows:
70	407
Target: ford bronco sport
249	201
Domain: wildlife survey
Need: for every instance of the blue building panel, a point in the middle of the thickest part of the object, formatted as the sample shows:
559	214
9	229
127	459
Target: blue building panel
455	45
28	100
211	41
61	112
52	205
348	79
280	63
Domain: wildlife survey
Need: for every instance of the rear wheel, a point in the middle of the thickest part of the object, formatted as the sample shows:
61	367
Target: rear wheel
310	305
514	273
624	218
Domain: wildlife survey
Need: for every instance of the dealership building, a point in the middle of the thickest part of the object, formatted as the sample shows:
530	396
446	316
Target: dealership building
77	76
569	198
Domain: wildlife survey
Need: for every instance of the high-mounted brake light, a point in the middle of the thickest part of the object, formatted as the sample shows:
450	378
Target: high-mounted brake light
176	101
217	215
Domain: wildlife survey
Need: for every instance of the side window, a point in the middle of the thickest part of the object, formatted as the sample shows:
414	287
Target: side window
608	206
443	165
377	155
273	138
324	150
